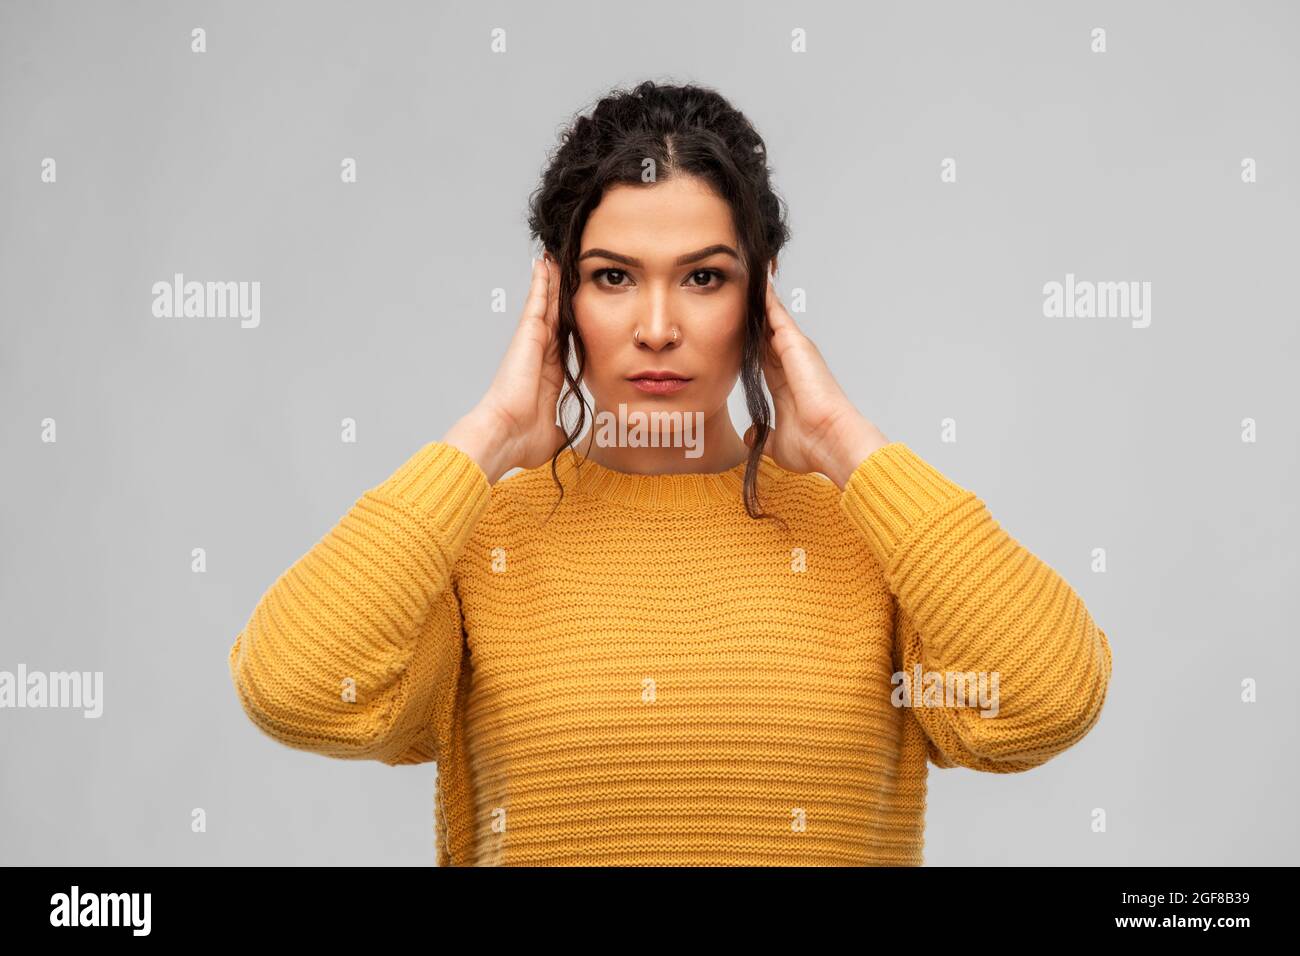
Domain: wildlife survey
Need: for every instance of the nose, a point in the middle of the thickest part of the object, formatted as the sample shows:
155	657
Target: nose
654	330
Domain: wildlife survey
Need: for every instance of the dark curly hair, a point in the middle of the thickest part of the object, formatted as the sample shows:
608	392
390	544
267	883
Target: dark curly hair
686	130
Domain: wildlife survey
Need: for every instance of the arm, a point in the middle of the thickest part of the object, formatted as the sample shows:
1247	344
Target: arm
969	598
372	604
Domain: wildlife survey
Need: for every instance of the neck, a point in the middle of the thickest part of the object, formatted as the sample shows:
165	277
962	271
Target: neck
721	449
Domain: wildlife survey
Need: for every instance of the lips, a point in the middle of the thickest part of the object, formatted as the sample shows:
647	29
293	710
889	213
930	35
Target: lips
660	373
659	383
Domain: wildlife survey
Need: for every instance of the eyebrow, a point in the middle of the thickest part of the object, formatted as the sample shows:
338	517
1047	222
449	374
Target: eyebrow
704	253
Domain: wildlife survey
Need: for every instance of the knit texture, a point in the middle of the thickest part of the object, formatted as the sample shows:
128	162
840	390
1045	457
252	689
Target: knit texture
649	676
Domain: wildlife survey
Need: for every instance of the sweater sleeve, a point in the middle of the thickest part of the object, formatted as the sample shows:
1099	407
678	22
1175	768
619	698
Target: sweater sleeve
969	598
354	651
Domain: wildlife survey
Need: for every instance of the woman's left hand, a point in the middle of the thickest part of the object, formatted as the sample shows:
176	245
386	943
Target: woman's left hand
816	427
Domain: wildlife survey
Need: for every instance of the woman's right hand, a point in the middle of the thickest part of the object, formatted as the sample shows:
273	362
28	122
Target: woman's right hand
514	425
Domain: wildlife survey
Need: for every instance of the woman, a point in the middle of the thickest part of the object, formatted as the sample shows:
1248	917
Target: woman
743	651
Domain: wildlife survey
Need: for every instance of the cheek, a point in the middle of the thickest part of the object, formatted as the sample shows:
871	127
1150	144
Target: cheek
725	336
723	341
602	340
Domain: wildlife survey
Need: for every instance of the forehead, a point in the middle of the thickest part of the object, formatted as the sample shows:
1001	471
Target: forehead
663	219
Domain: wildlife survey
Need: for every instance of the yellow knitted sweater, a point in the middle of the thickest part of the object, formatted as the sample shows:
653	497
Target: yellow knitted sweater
652	677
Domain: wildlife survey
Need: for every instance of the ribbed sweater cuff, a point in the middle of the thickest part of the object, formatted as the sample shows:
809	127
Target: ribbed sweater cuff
890	491
446	484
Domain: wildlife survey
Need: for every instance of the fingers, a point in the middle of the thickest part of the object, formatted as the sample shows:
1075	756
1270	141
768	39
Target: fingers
774	375
539	321
793	342
770	304
552	292
777	316
535	304
552	309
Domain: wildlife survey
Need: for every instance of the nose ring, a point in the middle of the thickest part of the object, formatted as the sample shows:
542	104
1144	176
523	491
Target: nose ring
636	336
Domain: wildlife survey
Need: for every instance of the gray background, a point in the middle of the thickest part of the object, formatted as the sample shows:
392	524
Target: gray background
925	297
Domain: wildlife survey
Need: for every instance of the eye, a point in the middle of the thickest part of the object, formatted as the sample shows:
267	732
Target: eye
707	274
600	273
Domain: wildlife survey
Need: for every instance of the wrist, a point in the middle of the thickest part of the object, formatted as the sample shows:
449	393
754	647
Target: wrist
482	436
850	446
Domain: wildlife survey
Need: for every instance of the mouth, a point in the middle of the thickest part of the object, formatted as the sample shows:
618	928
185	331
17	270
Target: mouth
659	383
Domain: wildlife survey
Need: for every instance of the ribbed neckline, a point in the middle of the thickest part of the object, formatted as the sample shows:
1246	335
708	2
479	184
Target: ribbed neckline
664	492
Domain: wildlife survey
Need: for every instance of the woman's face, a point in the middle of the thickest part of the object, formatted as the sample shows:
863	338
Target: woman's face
654	258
